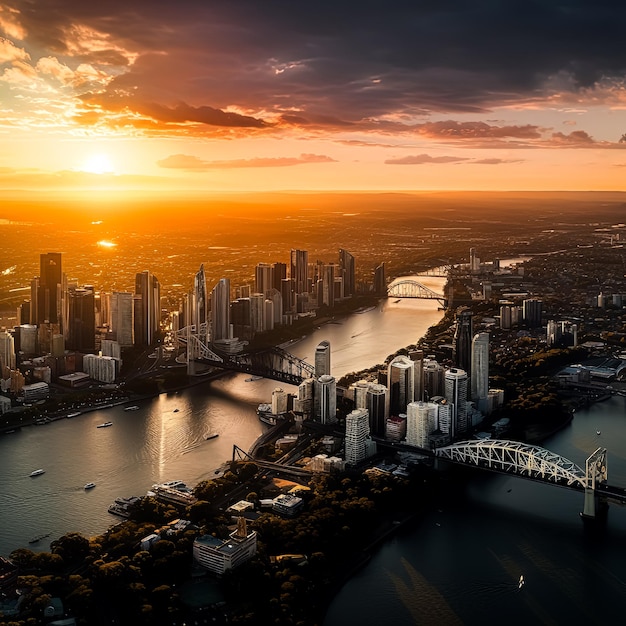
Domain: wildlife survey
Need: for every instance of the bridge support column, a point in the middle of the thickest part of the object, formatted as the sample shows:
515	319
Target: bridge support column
590	505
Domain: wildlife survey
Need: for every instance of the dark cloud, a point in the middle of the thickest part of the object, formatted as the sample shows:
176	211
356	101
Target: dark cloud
495	161
194	164
337	63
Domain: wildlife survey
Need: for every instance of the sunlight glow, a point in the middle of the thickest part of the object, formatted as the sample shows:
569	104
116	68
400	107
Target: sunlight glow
98	164
106	244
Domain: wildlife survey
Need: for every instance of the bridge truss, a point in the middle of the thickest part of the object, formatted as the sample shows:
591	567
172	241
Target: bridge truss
520	459
273	363
412	289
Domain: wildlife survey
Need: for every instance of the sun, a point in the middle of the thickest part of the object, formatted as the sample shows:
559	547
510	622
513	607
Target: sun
98	164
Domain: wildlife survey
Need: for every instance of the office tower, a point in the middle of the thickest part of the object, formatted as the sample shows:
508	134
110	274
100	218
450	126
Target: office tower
479	378
279	273
23	313
279	401
376	403
463	335
277	308
299	270
326	393
444	415
101	368
304	402
531	312
122	318
257	309
322	359
433	375
456	395
400	382
357	433
380	280
417	356
240	312
147	308
81	329
346	265
474	263
505	317
7	350
268	314
421	421
287	291
199	311
34	302
220	310
553	333
395	428
326	286
360	389
50	284
263	278
569	334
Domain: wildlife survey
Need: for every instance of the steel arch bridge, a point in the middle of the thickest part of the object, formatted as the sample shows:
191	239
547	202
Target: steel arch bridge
412	289
519	459
273	363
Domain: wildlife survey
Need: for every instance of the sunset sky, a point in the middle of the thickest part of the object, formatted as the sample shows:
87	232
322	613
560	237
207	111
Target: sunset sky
275	95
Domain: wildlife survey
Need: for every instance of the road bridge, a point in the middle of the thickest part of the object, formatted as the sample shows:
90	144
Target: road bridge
539	464
410	288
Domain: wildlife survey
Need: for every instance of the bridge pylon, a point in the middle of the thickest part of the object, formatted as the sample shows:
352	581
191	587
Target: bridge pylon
596	474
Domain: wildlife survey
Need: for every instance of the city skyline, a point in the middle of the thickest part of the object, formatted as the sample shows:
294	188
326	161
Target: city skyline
249	97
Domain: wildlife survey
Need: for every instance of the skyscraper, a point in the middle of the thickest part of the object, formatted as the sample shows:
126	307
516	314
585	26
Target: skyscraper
456	395
357	432
263	278
220	310
49	289
417	356
81	331
346	265
479	378
420	423
147	308
463	335
532	312
200	305
376	402
7	350
322	359
122	318
400	381
326	392
380	280
298	270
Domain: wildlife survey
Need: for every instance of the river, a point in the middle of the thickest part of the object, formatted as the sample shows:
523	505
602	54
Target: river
165	439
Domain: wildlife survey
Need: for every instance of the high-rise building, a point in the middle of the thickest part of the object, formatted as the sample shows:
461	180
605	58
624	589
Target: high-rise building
263	278
400	382
326	286
433	375
421	421
257	310
376	403
280	399
357	434
456	395
380	280
322	359
49	289
299	270
279	272
147	309
506	316
326	392
346	265
444	415
479	378
220	310
122	318
463	335
81	329
531	312
417	356
7	350
199	312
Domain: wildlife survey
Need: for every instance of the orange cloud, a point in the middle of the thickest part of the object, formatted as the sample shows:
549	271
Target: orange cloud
195	164
421	159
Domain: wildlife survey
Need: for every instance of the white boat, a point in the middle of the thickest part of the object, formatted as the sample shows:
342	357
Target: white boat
38	472
521	582
73	414
105	425
134	407
597	432
89	485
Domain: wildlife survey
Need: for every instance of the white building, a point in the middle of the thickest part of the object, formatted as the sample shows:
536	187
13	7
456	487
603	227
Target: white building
36	391
479	378
456	395
217	555
357	436
104	369
420	423
326	399
7	350
280	400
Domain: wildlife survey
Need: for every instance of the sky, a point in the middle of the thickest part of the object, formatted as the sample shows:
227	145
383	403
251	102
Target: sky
258	95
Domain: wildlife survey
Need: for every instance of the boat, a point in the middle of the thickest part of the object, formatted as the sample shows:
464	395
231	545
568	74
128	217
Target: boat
38	538
521	582
89	486
76	414
253	378
38	472
212	436
104	425
597	432
134	407
175	410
